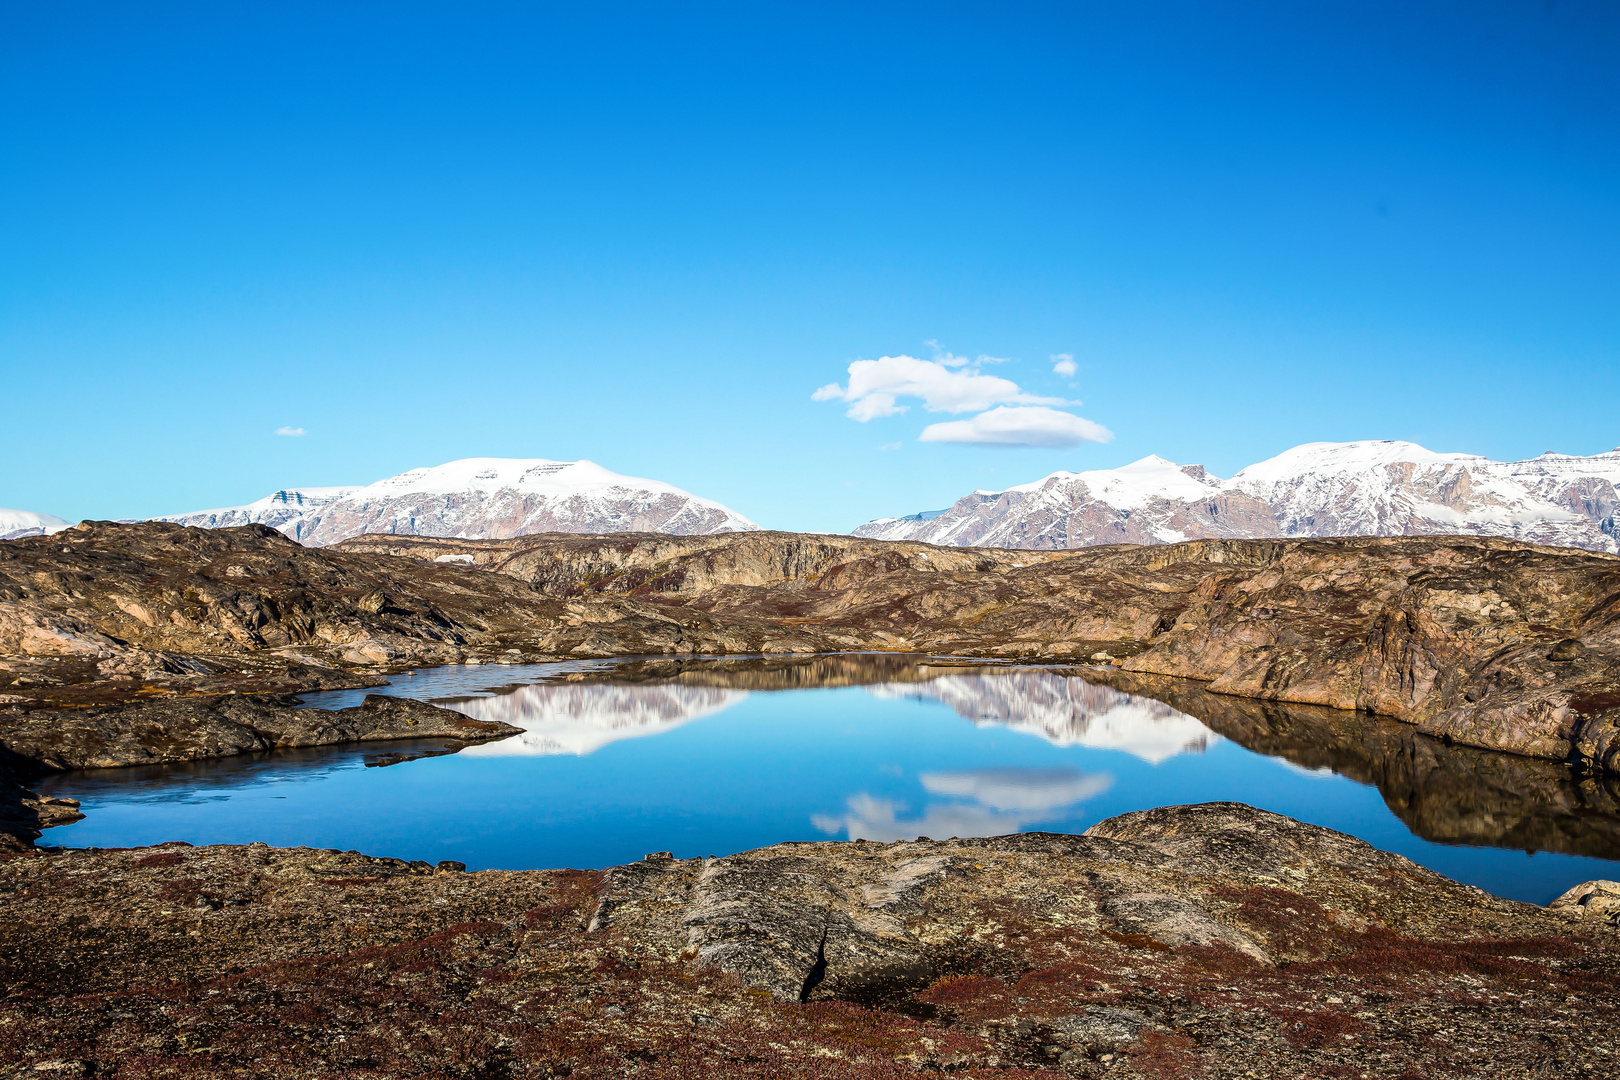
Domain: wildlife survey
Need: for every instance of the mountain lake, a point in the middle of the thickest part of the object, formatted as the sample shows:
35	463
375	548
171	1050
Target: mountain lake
713	756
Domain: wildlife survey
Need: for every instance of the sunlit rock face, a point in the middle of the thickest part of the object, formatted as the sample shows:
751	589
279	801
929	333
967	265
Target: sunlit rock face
1369	488
482	498
1065	711
579	718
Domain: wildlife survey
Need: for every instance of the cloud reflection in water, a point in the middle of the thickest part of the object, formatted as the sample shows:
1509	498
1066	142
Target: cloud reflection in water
1003	801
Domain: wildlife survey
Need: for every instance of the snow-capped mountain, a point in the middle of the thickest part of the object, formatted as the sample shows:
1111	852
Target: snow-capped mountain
1381	488
1150	501
482	497
19	523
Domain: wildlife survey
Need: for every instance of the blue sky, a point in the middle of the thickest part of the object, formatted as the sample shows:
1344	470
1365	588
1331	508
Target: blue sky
648	234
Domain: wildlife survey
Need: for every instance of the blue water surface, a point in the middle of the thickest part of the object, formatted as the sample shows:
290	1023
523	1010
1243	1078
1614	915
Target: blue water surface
609	772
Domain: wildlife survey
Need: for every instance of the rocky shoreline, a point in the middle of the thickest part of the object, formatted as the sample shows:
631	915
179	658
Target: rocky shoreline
1483	642
162	731
1211	941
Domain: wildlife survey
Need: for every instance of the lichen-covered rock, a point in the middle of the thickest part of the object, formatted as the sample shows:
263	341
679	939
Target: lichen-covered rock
1171	921
239	961
1600	899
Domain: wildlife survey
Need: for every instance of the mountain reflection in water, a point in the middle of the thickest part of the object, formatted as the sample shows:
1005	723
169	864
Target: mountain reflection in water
758	750
579	718
1444	793
1065	711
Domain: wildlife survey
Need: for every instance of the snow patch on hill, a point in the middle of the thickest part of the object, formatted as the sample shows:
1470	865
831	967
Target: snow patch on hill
15	524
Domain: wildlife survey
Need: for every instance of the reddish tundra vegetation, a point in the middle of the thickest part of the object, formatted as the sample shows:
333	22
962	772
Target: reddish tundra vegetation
1206	941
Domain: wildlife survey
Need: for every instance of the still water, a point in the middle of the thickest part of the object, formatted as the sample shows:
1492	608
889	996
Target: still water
710	757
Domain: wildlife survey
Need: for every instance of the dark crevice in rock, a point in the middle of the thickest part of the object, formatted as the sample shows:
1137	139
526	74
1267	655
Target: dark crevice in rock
818	971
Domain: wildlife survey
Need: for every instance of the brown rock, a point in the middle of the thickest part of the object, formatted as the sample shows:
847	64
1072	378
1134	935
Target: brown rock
1450	634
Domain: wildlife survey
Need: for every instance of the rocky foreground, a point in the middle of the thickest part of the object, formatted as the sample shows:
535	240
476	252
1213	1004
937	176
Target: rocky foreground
1483	642
1202	941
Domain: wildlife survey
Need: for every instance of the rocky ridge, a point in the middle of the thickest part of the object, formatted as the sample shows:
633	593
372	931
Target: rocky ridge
1215	941
1320	489
1486	642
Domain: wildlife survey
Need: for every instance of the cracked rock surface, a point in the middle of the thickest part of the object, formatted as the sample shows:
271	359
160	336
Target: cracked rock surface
1005	957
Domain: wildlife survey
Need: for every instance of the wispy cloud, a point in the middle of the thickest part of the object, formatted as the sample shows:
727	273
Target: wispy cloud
292	431
950	384
1026	426
889	446
1063	364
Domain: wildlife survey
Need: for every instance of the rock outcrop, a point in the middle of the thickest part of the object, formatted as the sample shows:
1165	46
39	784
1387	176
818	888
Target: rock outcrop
189	729
1216	941
1479	641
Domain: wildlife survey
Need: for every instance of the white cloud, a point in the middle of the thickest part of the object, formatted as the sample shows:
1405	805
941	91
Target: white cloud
1063	364
1018	427
944	385
285	430
889	446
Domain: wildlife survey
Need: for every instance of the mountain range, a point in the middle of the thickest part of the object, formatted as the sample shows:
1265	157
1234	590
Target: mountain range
482	497
15	524
1381	488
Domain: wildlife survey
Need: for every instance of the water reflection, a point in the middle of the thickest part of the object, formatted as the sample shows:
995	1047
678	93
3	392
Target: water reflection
1448	794
575	713
1019	789
581	718
863	746
1065	711
1001	801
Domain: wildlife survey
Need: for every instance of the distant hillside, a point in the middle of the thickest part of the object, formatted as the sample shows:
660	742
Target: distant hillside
1319	489
16	523
482	498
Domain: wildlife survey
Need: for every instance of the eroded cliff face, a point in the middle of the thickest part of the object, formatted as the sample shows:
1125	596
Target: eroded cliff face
1202	941
1485	642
